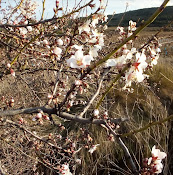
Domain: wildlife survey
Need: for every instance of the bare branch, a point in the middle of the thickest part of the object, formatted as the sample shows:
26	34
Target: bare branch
63	115
125	149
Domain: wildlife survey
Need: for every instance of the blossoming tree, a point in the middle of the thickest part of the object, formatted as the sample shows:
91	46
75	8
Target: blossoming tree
61	72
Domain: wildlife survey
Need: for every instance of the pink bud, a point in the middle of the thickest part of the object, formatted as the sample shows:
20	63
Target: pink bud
50	96
57	3
12	72
45	117
73	145
37	43
78	161
105	115
12	100
3	98
81	89
21	120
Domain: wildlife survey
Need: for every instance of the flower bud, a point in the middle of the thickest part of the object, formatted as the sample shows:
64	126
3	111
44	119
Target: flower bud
50	96
45	42
78	82
78	161
21	120
96	112
57	51
11	102
8	65
57	3
39	115
12	72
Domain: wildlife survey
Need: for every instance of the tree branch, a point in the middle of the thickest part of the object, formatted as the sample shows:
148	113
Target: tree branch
63	115
125	149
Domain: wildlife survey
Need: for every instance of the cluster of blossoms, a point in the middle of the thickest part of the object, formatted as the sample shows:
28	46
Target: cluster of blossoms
9	102
154	165
139	61
93	39
40	116
28	8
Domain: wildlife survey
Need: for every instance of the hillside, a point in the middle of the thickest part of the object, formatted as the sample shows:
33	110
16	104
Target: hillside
142	14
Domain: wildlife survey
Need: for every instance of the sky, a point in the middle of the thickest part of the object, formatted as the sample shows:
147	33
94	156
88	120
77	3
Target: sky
117	6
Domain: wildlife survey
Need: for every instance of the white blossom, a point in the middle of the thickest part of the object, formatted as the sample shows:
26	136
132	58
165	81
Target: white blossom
154	53
79	60
59	42
93	148
57	51
97	38
155	162
39	115
135	73
94	50
23	31
157	153
45	42
85	27
65	170
29	28
96	112
132	26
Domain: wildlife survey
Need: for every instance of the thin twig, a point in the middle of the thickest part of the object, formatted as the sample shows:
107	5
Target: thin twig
25	129
47	20
43	10
21	50
95	95
166	77
111	85
149	125
15	147
125	149
123	14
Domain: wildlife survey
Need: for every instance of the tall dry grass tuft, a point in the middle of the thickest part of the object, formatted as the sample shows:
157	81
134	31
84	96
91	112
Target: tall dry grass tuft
148	103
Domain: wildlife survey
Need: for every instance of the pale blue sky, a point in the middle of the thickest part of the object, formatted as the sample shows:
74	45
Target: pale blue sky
113	5
117	6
